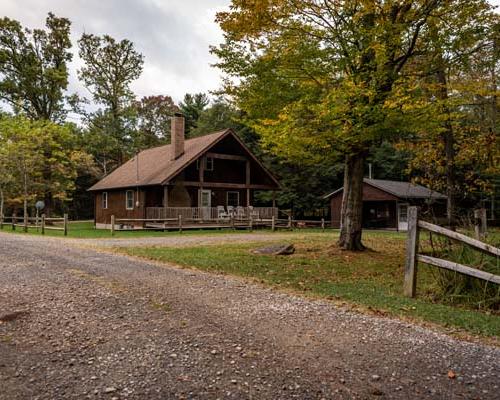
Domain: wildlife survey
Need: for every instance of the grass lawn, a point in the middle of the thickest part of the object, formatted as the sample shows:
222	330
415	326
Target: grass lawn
86	230
371	280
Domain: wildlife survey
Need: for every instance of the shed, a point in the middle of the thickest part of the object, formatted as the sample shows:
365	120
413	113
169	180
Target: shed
385	203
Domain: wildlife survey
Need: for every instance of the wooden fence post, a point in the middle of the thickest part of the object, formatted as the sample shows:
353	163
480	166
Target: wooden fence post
65	224
180	223
289	222
273	226
43	224
14	222
322	224
250	222
410	282
480	223
231	219
112	225
25	223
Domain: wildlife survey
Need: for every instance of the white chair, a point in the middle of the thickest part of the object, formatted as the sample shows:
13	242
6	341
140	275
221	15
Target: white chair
240	212
221	213
253	213
230	211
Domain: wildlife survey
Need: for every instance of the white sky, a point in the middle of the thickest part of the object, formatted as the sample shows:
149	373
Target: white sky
173	35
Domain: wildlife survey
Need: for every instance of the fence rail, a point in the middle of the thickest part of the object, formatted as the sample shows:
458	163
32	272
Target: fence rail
156	221
413	257
40	223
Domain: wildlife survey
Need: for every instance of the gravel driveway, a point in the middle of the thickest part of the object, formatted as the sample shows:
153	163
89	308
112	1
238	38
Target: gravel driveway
77	323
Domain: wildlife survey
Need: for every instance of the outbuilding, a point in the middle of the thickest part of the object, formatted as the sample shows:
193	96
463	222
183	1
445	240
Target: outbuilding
385	203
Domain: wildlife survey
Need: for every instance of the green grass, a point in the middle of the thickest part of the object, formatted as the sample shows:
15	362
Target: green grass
85	230
372	280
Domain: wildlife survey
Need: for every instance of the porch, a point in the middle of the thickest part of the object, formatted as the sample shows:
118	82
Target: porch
212	214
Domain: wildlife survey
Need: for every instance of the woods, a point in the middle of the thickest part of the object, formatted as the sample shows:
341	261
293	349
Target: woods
317	89
338	77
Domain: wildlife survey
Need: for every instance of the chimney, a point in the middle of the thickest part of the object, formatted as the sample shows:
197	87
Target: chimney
177	136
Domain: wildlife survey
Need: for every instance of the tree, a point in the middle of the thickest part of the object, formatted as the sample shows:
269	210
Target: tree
192	106
317	78
454	145
34	67
153	115
23	148
110	67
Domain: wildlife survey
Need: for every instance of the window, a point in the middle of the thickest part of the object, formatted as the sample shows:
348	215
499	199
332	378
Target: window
129	199
209	165
104	200
233	199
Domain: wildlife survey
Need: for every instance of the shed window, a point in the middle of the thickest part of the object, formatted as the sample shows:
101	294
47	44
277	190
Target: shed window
104	200
233	199
129	199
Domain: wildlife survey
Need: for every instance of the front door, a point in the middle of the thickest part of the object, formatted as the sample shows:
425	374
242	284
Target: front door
403	217
205	203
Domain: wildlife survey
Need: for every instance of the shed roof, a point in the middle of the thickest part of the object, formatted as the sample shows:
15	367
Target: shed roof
155	166
403	190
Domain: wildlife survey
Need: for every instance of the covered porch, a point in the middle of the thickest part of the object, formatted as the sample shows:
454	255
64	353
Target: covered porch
219	213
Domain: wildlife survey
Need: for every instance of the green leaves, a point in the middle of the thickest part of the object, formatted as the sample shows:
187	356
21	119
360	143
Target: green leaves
33	67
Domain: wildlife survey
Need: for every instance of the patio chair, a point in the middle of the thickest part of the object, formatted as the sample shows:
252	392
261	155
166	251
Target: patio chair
230	211
253	213
240	212
221	213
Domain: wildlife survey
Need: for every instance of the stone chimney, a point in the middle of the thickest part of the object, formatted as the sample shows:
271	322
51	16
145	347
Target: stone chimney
177	136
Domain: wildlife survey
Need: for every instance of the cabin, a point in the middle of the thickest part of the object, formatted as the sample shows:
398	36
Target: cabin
204	178
385	203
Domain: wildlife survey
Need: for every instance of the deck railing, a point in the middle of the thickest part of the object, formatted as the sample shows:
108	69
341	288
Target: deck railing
211	213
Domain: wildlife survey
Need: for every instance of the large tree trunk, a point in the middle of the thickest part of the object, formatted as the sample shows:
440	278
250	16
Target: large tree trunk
449	151
352	203
2	202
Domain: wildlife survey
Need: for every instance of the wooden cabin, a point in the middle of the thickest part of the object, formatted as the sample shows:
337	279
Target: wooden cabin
385	203
198	178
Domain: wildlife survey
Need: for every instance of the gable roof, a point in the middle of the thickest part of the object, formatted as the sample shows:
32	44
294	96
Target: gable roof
403	190
156	166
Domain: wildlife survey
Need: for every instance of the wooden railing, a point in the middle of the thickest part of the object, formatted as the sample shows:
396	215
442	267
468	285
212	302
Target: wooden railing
210	213
412	256
39	223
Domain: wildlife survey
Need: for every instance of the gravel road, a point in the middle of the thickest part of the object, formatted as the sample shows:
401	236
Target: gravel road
78	323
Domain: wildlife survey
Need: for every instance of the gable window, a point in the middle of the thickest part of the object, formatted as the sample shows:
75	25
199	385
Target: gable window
233	199
129	199
104	200
209	165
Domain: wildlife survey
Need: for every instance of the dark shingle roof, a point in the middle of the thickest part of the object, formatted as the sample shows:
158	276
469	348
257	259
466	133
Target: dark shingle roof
155	165
403	190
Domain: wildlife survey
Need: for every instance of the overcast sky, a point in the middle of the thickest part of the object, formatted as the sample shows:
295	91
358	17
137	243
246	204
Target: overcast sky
173	35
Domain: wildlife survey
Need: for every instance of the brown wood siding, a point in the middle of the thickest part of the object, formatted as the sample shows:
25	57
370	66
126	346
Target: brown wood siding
370	193
228	171
117	207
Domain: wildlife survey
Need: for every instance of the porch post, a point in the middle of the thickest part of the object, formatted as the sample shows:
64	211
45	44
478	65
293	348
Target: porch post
165	196
201	178
247	181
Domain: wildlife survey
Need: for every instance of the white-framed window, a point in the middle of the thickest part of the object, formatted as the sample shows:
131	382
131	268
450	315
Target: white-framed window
209	165
104	200
129	199
233	199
